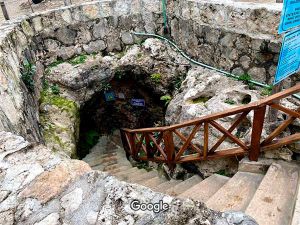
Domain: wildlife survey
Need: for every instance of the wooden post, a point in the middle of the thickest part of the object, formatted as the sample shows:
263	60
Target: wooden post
170	149
258	123
132	145
272	114
4	10
206	134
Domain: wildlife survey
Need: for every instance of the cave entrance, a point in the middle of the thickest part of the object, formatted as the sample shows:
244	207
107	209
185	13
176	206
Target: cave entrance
123	103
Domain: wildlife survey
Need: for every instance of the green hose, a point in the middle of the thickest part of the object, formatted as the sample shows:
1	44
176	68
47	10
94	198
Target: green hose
205	65
164	12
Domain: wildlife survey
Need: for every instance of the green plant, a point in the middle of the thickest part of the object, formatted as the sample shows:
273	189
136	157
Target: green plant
200	100
266	91
78	60
245	78
28	71
119	74
156	78
45	84
166	99
56	63
139	55
223	173
106	86
55	89
230	101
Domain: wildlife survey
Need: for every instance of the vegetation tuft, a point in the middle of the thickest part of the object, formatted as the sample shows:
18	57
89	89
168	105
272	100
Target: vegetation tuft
28	71
166	98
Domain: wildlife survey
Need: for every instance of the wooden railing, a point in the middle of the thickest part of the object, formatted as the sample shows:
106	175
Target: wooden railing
170	145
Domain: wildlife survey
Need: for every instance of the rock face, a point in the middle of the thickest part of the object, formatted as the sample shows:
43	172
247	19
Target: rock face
106	27
41	187
146	64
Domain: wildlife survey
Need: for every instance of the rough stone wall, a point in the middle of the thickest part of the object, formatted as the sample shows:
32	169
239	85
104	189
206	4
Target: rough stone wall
237	37
39	187
62	33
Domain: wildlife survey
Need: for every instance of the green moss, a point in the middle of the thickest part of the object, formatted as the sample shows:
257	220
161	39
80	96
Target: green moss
224	173
156	78
200	100
61	102
78	60
54	64
230	101
166	98
266	91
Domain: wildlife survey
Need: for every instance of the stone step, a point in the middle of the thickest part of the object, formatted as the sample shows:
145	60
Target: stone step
119	169
147	176
131	170
99	155
261	166
153	182
111	165
119	164
296	214
274	200
205	189
99	160
129	177
166	185
237	193
184	185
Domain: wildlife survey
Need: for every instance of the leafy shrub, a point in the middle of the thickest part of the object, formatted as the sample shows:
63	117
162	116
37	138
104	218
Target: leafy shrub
230	101
28	71
55	89
156	78
266	91
245	78
78	60
166	99
106	86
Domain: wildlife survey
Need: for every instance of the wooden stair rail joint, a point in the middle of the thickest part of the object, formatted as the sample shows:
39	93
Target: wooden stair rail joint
164	149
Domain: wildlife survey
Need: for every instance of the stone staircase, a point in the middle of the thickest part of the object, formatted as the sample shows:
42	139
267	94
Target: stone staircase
268	195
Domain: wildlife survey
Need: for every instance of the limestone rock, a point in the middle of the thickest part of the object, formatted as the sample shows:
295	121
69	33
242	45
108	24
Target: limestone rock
71	201
50	184
281	153
52	219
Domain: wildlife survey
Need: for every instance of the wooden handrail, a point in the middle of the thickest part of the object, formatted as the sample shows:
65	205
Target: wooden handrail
163	148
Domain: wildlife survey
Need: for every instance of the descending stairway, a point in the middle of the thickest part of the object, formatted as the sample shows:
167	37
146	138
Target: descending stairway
269	198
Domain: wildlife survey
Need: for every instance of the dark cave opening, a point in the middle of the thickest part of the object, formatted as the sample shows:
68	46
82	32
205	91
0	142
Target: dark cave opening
123	103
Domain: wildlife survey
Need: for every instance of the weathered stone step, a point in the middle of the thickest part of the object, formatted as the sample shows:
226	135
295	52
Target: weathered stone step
184	185
131	170
153	182
120	162
146	176
99	160
261	166
111	165
166	185
99	155
128	176
119	169
274	200
237	193
205	189
296	214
